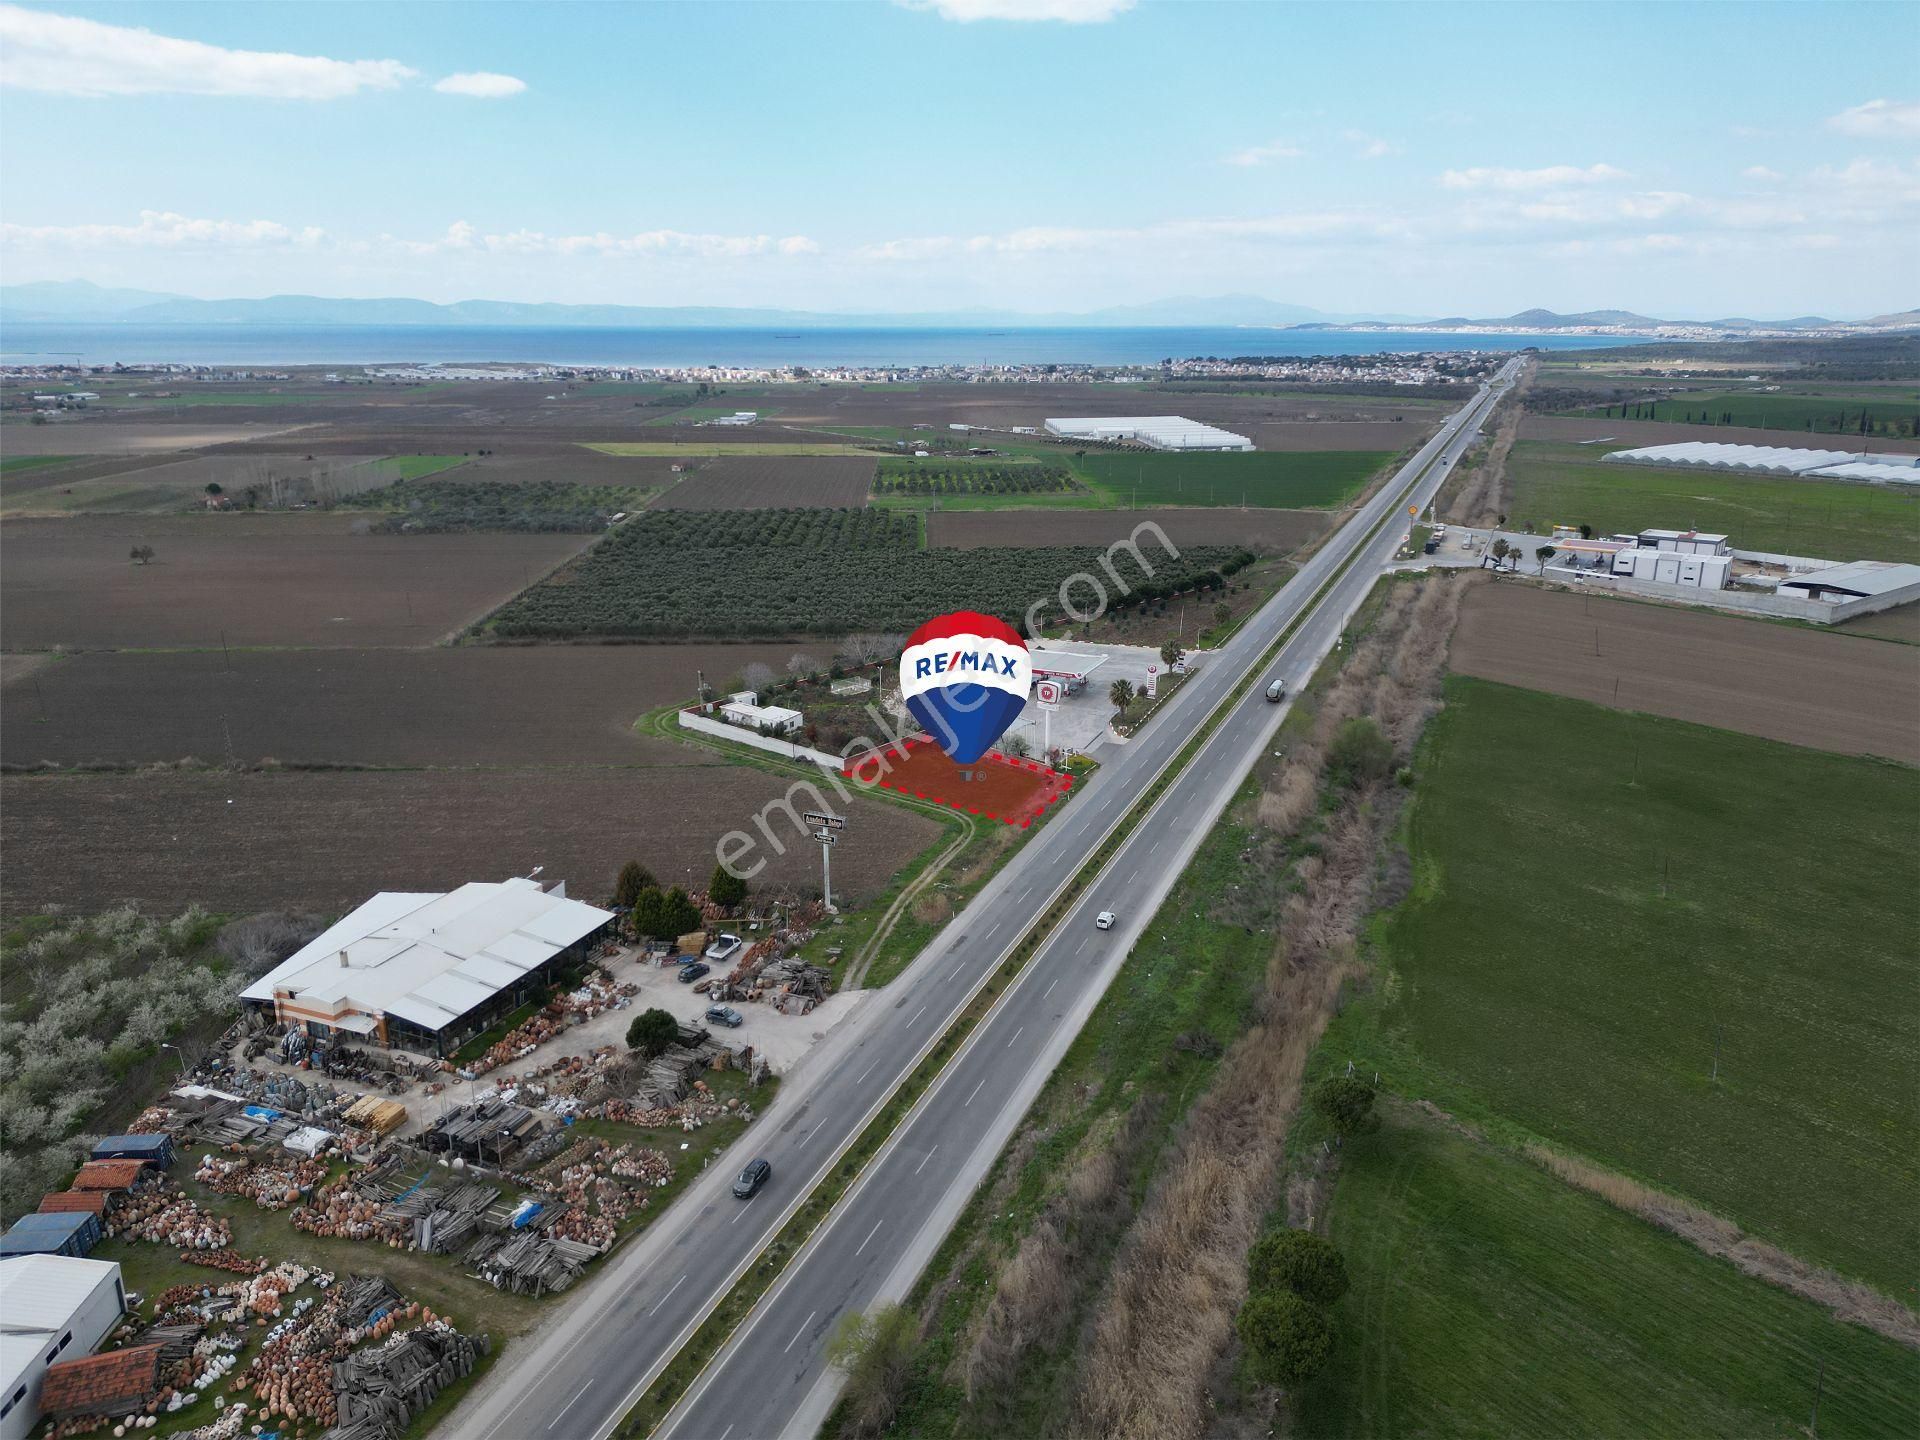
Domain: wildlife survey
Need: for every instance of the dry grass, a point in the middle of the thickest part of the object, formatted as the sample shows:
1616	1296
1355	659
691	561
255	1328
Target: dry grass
1486	494
1848	1300
1166	1319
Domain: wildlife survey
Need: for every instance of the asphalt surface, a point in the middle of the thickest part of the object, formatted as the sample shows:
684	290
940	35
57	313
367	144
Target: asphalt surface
582	1373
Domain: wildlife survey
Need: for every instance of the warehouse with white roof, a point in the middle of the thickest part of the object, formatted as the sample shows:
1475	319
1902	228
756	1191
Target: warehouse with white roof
52	1308
428	971
1157	432
1776	460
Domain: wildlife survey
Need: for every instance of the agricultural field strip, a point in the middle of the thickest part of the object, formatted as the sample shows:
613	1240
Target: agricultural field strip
1067	837
924	1203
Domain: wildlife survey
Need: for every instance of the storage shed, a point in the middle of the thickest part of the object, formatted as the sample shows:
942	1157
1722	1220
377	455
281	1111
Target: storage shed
153	1149
73	1232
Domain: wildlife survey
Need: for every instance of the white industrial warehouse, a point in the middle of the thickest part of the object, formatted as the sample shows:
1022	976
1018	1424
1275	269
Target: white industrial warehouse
428	971
1157	432
1777	460
53	1308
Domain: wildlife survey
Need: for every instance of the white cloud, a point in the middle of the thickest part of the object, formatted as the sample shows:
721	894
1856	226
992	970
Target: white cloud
162	229
481	85
64	55
1313	226
1264	154
1547	178
1368	147
1761	173
1067	12
1880	120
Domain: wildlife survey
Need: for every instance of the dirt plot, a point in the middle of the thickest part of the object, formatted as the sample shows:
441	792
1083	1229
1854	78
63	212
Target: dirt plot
180	484
103	437
1831	692
1575	430
326	841
1341	435
1001	787
1280	530
494	705
742	482
304	579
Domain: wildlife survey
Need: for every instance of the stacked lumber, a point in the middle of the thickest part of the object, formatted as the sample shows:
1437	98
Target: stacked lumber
529	1263
454	1219
370	1112
381	1389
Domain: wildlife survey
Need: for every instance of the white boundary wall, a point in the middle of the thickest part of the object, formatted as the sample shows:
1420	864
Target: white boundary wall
742	736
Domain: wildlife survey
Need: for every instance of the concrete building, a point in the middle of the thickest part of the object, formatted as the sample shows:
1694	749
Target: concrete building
1864	579
429	971
1157	432
52	1308
745	710
1674	567
1687	542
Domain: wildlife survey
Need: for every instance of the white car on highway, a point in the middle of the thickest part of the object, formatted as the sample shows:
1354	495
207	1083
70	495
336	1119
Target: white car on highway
1104	920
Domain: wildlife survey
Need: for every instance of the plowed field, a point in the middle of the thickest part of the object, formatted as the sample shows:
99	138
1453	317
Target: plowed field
1831	692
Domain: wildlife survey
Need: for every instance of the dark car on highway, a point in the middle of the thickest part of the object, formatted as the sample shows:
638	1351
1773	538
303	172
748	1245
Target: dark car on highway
751	1179
691	973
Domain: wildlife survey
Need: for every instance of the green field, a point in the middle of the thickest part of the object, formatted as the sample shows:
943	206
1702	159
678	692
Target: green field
417	467
1602	900
1490	1298
9	464
1276	479
1829	519
1886	412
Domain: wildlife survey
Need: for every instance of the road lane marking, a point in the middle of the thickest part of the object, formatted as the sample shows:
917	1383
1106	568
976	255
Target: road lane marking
576	1395
801	1331
923	1164
726	1432
870	1234
956	973
976	1091
917	1014
678	1283
816	1126
1049	990
866	1072
1016	1035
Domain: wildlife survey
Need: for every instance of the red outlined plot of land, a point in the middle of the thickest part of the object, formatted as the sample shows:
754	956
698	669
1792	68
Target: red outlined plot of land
1004	787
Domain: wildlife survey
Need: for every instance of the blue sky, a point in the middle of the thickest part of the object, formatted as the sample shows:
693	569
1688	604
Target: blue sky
1679	160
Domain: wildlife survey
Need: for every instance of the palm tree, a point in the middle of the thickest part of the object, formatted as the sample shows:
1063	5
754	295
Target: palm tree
1498	550
1544	554
1120	695
1172	653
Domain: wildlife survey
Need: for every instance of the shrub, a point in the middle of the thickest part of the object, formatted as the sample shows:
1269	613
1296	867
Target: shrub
1346	1103
726	889
1360	754
1287	1338
1300	1262
634	877
651	1032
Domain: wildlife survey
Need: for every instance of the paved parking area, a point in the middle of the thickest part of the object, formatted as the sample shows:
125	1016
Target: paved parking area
1081	721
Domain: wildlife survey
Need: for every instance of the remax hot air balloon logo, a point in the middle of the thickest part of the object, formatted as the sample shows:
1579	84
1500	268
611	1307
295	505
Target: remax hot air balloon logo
965	678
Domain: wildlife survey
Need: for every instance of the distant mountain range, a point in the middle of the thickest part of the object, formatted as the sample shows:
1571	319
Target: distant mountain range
77	300
1626	321
80	301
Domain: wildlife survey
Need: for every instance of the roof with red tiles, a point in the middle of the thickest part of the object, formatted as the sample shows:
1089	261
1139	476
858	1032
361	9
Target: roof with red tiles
102	1384
108	1174
63	1201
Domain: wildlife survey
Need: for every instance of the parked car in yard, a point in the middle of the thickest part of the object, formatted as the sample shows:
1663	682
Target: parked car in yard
692	972
725	1015
751	1179
723	948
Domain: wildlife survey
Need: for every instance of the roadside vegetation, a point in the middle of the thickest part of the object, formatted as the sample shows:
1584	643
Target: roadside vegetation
1882	414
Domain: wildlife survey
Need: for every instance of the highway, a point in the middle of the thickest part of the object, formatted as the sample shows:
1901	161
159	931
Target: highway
580	1374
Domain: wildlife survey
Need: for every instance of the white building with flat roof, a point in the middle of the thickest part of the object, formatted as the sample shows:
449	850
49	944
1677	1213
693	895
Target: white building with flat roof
1158	432
427	971
52	1307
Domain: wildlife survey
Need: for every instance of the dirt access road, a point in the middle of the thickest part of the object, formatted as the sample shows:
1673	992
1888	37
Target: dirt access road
1806	687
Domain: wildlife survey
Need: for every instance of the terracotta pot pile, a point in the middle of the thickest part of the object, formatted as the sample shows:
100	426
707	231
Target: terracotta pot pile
224	1260
647	1117
520	1043
271	1187
151	1121
167	1217
648	1167
340	1214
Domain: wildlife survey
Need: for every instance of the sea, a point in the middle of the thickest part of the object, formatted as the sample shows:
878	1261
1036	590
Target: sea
45	343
